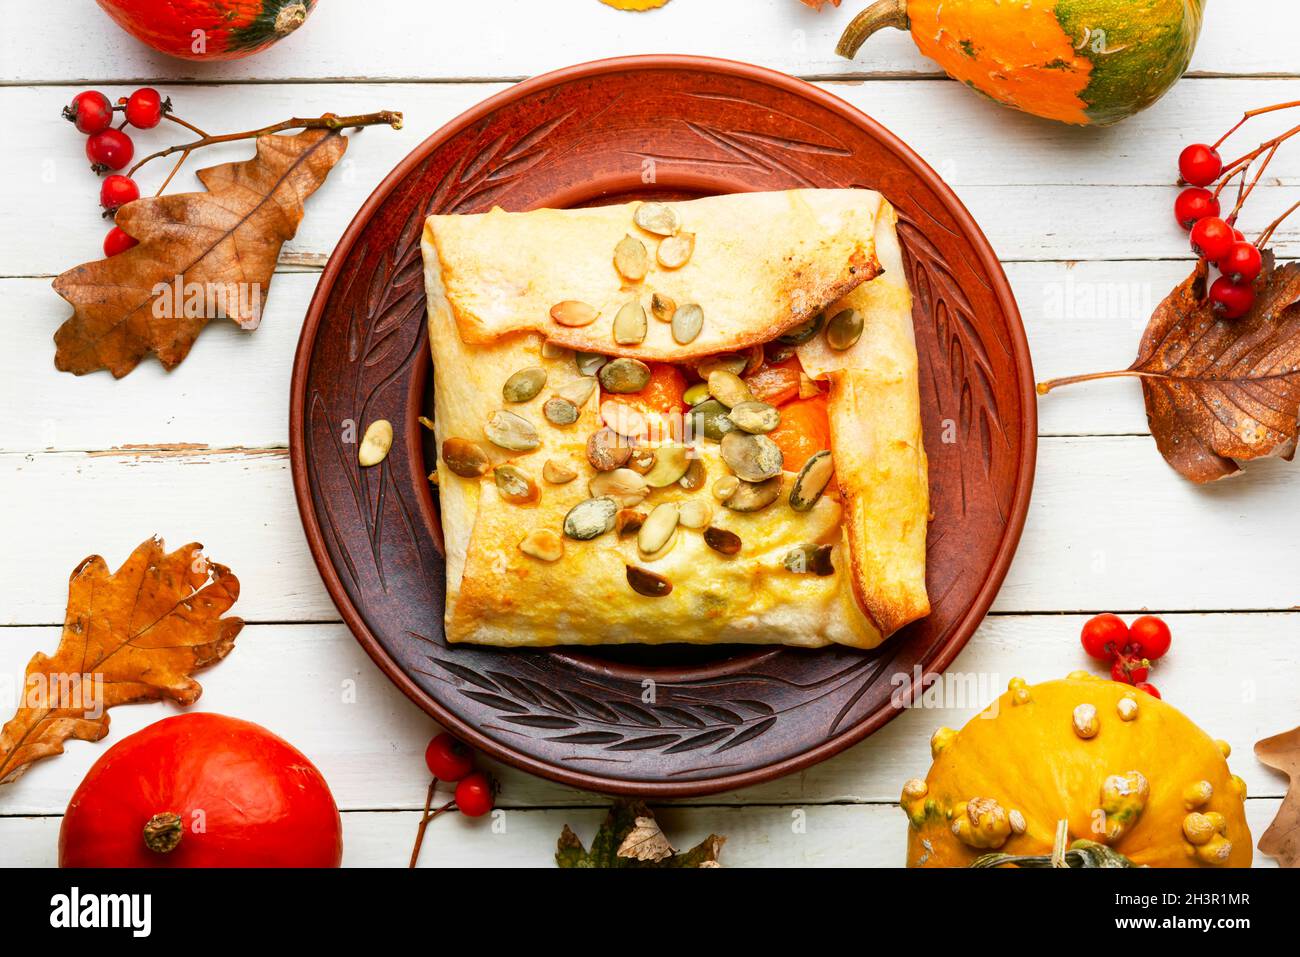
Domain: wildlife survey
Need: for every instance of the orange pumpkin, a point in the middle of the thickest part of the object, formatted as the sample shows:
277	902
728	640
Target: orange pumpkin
1088	62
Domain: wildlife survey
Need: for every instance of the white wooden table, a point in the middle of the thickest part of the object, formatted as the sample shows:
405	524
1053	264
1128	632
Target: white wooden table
1082	220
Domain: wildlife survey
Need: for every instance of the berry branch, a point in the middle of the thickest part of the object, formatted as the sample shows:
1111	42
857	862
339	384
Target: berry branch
1216	238
110	148
327	121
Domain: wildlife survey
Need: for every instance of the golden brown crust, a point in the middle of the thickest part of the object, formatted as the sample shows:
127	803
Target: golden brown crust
498	595
760	267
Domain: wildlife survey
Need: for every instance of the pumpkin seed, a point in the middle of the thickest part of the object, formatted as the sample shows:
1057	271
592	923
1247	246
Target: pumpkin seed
844	329
710	420
573	313
590	519
559	471
755	417
721	540
778	352
754	496
662	307
524	384
675	251
695	477
812	481
798	335
646	582
658	528
624	376
606	450
578	391
553	350
628	521
510	431
589	363
809	559
656	218
543	544
375	443
631	259
464	458
695	513
641	461
754	458
696	394
560	411
630	324
671	463
754	361
733	363
687	323
624	486
515	485
623	419
725	487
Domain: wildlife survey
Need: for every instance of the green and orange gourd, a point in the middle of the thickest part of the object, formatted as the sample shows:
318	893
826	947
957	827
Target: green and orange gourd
208	29
1127	777
1086	62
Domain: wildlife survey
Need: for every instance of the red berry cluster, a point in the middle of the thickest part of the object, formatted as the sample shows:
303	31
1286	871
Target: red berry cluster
1214	236
1128	649
109	147
451	760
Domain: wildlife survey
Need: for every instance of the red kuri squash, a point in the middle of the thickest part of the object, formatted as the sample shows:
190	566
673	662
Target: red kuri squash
202	790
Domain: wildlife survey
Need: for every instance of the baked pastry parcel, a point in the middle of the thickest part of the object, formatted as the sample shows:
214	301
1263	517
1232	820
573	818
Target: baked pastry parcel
678	422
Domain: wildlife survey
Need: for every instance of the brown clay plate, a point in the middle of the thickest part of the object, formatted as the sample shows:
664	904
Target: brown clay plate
668	720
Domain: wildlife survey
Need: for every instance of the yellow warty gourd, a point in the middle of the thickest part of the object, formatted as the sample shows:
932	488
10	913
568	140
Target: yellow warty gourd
1120	767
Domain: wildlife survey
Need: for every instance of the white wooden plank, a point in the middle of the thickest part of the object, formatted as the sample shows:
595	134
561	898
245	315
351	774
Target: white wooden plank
1197	548
1098	194
1079	317
516	38
368	739
871	835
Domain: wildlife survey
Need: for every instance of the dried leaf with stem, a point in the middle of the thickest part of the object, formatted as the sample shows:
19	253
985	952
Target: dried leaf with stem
1219	391
137	634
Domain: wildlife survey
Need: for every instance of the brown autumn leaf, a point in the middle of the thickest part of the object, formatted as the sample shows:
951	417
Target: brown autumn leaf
1220	392
217	249
1282	839
133	635
646	841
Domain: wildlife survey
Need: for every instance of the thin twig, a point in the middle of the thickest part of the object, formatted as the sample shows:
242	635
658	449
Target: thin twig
175	170
1259	111
1267	234
328	121
425	818
185	123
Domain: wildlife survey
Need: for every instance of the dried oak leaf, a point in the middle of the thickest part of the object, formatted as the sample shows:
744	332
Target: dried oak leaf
1282	839
218	249
133	635
630	837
